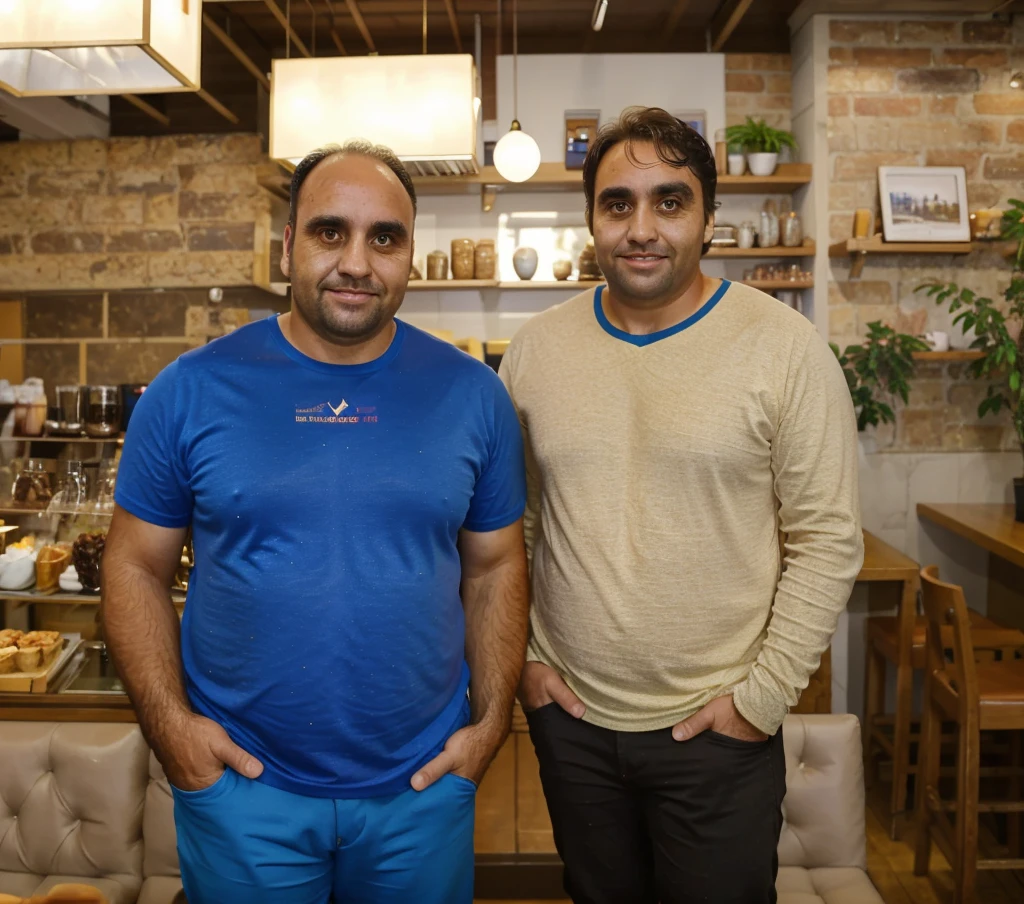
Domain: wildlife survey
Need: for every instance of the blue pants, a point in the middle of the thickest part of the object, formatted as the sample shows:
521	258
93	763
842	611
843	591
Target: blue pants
243	842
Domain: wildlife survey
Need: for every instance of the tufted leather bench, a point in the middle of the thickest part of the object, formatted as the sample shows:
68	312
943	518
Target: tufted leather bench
88	803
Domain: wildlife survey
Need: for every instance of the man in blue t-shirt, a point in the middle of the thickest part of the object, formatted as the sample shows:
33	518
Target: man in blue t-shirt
356	617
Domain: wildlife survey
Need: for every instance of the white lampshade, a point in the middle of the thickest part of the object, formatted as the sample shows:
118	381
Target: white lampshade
66	47
516	155
422	107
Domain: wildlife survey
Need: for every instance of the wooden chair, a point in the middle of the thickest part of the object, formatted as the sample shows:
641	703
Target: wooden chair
978	697
900	640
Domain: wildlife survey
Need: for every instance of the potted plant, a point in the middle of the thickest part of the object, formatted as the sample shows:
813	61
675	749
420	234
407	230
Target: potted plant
877	370
999	336
761	142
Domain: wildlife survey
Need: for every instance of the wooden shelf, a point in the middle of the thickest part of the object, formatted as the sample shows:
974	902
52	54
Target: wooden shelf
785	180
954	354
859	249
578	284
776	285
62	439
805	250
448	285
876	245
30	596
555	177
11	510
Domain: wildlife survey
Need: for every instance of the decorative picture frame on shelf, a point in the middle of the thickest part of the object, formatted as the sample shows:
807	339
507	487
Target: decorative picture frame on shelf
695	119
924	203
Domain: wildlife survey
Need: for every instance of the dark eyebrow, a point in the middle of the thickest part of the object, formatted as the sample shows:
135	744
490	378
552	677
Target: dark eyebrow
326	222
341	224
390	227
675	188
615	193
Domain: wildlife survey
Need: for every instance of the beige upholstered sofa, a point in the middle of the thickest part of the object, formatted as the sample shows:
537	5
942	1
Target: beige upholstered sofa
89	803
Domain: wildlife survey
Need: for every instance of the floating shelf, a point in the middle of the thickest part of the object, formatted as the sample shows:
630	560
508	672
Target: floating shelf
805	250
12	510
967	354
61	439
447	285
555	177
776	285
859	249
31	596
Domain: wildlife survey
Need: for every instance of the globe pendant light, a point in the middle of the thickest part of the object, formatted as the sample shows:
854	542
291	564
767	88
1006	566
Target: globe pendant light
516	155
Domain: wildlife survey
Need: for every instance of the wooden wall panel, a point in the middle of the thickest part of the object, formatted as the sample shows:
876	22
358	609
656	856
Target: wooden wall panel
496	804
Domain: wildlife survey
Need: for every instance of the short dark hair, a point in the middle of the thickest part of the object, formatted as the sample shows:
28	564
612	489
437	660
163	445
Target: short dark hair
357	147
675	143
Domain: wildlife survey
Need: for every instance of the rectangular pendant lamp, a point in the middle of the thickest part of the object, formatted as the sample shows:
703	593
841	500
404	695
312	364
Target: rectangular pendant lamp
68	47
422	107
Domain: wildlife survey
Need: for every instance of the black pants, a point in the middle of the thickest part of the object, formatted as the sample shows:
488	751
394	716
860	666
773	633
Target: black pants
640	818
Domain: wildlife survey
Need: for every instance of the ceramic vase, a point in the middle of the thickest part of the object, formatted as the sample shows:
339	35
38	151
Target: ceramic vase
525	262
462	258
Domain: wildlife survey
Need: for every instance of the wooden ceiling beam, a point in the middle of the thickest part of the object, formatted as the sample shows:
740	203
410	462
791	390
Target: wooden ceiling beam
236	51
673	20
334	31
357	16
151	111
286	25
725	22
449	6
218	106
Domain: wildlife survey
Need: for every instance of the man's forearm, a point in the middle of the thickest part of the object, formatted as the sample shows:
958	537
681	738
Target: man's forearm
497	610
144	637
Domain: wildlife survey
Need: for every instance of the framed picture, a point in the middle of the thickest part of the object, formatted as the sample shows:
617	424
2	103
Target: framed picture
695	119
924	203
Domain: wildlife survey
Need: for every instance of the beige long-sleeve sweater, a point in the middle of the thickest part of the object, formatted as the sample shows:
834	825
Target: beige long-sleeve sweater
660	476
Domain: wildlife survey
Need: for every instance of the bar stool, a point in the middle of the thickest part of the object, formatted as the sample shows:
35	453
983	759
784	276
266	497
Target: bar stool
977	697
900	639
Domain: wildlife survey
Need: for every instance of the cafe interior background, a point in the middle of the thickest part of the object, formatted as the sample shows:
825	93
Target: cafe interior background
145	153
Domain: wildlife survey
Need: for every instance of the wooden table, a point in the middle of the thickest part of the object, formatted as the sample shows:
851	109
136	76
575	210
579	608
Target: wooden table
892	578
992	528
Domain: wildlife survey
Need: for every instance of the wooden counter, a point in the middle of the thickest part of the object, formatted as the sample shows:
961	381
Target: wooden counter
993	529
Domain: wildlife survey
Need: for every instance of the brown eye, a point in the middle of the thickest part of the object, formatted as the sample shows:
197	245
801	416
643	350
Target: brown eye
330	235
383	240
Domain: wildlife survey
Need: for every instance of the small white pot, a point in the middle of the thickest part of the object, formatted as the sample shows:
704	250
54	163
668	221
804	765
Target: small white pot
737	164
762	164
524	260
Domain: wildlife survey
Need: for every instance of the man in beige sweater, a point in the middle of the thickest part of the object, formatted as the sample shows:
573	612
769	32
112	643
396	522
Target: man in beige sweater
676	427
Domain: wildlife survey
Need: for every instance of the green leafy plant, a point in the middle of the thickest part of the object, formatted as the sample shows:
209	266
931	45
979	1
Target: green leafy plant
758	137
997	327
877	370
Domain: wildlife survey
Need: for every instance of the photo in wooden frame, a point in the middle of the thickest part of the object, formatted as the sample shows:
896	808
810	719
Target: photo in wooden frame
924	203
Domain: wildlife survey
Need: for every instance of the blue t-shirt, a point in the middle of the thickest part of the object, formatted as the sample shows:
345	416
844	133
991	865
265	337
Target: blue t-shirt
324	626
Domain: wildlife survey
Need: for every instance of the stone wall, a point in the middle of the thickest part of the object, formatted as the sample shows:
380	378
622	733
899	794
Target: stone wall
927	92
182	210
759	85
110	247
128	336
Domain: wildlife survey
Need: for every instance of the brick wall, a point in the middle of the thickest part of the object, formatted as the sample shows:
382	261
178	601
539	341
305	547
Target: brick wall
109	247
758	85
130	213
931	93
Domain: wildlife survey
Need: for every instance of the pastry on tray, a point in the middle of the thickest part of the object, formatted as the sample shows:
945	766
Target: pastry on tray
8	660
37	649
9	637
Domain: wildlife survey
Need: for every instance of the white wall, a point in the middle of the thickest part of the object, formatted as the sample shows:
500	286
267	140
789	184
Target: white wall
550	84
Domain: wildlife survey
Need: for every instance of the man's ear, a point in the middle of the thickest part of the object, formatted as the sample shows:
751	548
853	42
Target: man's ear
709	229
286	251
